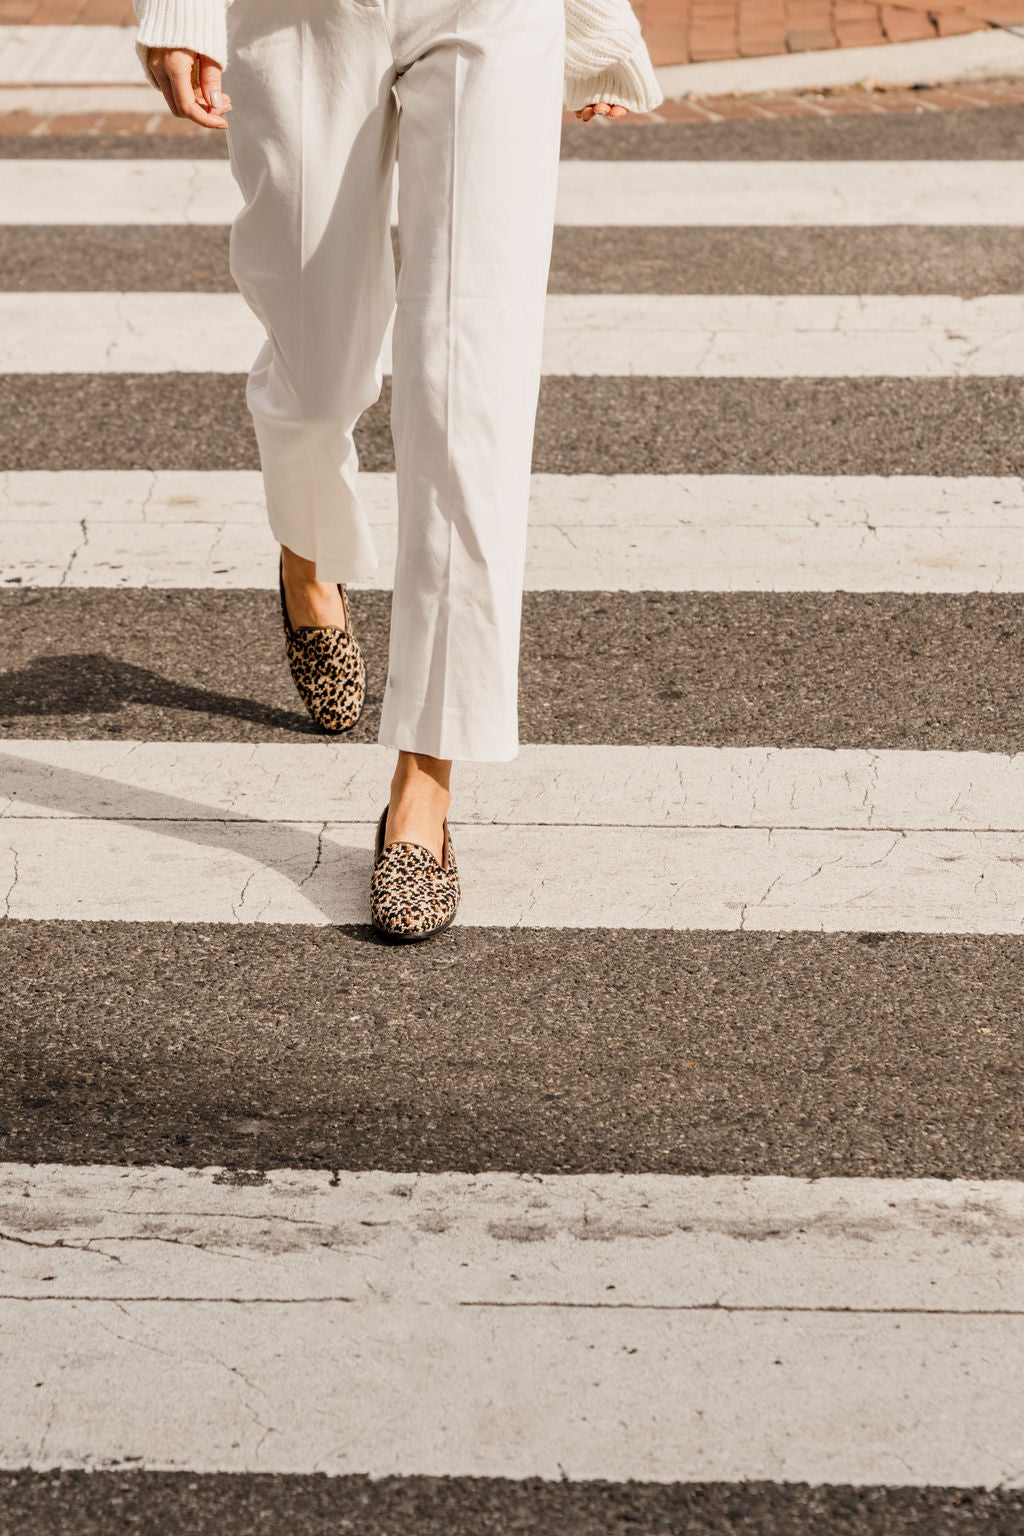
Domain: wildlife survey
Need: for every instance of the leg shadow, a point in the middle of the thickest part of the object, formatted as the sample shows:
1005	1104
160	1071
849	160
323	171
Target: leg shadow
90	683
332	875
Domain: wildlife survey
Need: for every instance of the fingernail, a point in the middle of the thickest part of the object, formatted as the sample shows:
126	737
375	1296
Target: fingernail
215	100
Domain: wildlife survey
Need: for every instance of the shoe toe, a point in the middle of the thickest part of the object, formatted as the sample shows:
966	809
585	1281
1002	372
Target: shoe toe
411	896
329	672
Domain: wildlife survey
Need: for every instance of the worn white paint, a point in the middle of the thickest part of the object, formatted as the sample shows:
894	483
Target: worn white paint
161	870
596	192
620	559
574	502
905	533
668	335
459	1239
549	1392
545	786
69	55
683	837
130	191
512	1326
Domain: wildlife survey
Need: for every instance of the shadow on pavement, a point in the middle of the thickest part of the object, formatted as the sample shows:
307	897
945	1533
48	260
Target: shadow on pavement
286	849
96	684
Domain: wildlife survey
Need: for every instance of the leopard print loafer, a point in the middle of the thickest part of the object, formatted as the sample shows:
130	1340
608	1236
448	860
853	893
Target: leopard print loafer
412	896
327	668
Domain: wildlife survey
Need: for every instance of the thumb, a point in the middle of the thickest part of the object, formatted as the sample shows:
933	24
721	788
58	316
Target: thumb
209	83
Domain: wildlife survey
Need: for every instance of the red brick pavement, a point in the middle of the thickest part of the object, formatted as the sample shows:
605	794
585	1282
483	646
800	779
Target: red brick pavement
680	31
684	31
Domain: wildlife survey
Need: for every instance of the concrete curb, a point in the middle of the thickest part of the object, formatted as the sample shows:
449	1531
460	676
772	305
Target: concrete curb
995	53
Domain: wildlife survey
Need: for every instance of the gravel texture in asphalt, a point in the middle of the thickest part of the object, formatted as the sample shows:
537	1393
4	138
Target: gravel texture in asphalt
543	1050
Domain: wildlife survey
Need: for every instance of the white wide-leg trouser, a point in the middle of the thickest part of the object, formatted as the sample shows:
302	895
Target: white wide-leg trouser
467	95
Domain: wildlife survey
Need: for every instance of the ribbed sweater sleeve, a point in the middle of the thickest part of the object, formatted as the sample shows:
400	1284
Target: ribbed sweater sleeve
196	24
606	58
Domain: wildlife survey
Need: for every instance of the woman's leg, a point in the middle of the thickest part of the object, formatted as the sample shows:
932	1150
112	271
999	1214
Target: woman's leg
419	801
480	86
312	137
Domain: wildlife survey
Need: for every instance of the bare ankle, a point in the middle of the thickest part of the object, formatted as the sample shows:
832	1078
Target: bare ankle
420	796
311	602
416	773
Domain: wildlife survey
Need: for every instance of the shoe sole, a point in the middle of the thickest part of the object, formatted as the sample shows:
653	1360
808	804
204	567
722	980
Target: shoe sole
413	938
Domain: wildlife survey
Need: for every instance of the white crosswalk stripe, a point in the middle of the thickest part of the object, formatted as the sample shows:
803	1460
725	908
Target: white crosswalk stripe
392	1390
778	1293
711	1326
558	786
680	193
753	840
860	1245
666	336
629	533
827	880
68	55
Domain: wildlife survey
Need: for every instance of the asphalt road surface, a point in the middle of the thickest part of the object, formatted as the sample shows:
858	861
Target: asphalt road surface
680	1186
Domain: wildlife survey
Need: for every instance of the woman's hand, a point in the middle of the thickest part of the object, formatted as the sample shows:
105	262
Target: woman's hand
601	109
191	85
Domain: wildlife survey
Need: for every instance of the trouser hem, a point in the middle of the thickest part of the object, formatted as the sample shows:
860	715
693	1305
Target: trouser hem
451	734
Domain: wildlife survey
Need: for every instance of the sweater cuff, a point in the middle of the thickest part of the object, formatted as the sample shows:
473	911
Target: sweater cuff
193	24
630	83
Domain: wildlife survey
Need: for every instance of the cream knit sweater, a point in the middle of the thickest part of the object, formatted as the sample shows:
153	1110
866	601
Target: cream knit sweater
606	58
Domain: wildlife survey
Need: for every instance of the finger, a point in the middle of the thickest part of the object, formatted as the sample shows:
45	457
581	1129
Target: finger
181	68
160	76
210	96
209	84
165	86
178	69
